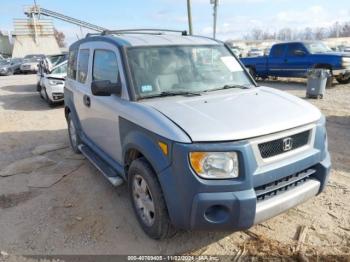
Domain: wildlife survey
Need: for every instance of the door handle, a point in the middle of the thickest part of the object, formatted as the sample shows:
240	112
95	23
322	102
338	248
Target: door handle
285	60
87	101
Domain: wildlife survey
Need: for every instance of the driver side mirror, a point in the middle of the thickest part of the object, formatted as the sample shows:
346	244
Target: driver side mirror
299	52
105	88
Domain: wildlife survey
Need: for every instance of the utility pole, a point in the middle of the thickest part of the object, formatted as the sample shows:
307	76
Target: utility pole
215	7
189	13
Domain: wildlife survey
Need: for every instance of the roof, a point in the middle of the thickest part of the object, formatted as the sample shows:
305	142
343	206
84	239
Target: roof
149	40
164	39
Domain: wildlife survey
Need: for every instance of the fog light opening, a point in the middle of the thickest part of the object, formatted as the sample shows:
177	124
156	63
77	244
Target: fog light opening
217	214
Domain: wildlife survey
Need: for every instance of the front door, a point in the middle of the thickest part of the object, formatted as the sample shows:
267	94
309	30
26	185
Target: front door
297	60
100	114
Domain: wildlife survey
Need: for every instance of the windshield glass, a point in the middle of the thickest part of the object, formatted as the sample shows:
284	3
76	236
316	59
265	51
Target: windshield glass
62	69
173	69
317	47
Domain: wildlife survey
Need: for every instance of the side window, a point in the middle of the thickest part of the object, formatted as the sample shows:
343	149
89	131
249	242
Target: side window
293	48
83	65
72	64
277	51
105	66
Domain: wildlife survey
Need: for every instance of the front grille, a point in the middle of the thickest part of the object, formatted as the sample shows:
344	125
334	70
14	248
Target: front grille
277	187
280	146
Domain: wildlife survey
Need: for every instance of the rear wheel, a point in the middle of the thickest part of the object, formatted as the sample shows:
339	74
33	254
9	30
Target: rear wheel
344	79
148	201
74	138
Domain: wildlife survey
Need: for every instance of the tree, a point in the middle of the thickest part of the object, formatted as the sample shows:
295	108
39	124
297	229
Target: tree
285	34
320	33
257	34
60	37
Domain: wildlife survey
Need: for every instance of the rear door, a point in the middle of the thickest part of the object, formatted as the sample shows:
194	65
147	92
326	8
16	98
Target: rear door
276	58
100	114
297	60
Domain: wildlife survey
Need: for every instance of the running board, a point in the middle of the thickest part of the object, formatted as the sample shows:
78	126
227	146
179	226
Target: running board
101	165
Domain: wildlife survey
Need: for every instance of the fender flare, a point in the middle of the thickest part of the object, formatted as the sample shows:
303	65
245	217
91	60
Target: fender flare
147	144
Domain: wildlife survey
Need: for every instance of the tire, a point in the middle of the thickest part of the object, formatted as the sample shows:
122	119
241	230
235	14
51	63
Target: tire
74	138
38	87
148	201
343	80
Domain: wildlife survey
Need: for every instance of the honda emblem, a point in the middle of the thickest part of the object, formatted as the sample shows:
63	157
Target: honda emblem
287	144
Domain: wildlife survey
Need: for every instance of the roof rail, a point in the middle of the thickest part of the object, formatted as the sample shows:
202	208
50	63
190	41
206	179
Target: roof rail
149	31
92	34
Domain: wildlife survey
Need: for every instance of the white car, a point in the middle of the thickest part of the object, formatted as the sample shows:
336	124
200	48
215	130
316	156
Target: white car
30	63
255	52
52	89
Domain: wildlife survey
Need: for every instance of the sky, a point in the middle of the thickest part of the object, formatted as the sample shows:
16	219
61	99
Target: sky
235	17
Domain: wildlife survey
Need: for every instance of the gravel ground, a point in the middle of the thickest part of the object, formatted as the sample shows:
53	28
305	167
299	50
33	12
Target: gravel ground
54	202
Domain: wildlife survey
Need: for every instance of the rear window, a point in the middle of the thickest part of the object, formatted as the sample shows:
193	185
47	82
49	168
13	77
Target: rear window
72	64
83	65
277	51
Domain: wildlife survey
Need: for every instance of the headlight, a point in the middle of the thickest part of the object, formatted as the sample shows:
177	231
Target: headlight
345	61
56	82
215	165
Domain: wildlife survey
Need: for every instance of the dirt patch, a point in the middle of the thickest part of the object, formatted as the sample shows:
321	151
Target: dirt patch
12	200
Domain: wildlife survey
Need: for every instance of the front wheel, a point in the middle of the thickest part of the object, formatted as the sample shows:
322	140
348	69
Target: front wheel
344	79
148	201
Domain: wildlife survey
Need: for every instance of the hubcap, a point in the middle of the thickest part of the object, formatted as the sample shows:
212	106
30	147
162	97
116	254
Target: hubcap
72	133
143	200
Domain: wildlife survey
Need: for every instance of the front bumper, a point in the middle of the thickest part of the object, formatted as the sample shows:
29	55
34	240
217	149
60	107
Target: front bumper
195	203
55	92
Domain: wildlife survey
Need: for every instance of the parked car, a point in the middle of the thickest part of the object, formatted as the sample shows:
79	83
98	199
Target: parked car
30	63
10	66
52	88
198	143
346	49
294	59
46	65
255	52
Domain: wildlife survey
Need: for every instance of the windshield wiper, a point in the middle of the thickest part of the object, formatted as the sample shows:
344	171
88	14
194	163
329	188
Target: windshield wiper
228	87
175	93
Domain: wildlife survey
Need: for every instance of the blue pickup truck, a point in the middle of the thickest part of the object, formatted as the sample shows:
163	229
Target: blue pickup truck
293	59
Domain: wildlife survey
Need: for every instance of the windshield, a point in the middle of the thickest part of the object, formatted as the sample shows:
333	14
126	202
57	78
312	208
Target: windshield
317	47
174	69
62	69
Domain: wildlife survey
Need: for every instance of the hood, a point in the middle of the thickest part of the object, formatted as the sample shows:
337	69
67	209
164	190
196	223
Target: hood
58	76
236	114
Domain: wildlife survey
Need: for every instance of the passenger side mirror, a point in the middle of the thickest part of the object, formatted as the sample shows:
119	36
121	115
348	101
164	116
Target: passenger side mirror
105	88
299	52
